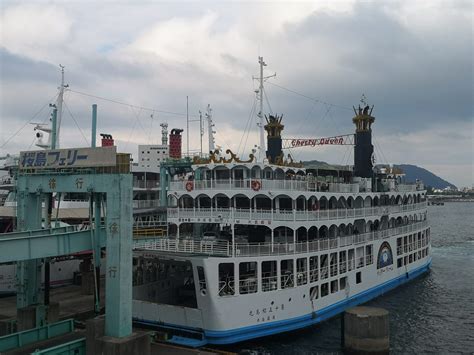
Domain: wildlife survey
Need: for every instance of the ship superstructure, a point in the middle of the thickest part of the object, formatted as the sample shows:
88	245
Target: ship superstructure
262	246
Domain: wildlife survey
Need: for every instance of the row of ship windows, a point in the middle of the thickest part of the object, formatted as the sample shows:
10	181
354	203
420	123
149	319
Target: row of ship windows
412	242
331	287
408	259
272	278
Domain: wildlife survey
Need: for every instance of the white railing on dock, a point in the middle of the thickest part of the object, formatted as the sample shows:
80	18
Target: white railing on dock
286	215
225	248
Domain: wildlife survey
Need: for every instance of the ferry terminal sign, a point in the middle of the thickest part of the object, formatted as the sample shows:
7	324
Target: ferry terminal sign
68	158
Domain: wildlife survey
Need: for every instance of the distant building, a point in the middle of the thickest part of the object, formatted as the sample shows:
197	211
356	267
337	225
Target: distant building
151	156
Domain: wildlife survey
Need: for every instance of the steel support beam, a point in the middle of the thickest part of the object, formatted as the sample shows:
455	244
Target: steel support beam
44	246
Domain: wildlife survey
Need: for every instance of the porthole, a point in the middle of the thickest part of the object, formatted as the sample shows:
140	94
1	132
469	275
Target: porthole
289	300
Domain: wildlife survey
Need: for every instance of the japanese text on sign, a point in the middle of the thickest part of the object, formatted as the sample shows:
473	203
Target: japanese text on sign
68	158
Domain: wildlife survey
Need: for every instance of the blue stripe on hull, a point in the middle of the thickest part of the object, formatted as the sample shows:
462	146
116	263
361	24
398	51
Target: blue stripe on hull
261	330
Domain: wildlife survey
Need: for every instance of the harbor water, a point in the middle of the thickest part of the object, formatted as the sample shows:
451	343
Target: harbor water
432	314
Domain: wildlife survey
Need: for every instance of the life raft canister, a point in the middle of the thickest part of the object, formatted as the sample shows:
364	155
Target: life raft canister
256	185
189	186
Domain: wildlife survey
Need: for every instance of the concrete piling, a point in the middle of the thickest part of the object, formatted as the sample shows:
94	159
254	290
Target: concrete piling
366	330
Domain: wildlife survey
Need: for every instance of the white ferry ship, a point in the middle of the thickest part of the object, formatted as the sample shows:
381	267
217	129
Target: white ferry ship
264	246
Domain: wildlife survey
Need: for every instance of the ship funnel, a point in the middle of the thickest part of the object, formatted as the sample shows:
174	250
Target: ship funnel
274	142
363	148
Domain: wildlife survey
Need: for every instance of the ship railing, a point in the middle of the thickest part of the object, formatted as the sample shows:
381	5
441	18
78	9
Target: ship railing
148	184
269	283
189	246
219	247
145	203
266	184
368	259
324	272
333	269
227	287
289	215
342	267
301	277
313	275
287	280
248	284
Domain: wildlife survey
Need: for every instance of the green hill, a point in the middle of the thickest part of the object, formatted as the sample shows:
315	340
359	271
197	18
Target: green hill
412	172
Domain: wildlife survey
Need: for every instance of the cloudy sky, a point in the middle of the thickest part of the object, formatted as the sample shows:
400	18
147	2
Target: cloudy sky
412	59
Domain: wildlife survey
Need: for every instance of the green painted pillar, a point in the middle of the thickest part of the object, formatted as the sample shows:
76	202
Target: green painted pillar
94	125
118	282
28	273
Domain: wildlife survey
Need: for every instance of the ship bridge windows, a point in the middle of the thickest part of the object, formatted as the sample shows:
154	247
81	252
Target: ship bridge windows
221	201
278	174
369	254
203	201
256	172
333	264
375	201
323	232
350	260
359	202
323	203
202	280
360	257
268	173
287	276
186	201
301	271
239	174
332	203
323	262
342	261
226	279
221	173
312	233
283	202
248	277
262	202
342	203
269	276
300	203
301	234
350	202
241	202
313	269
368	202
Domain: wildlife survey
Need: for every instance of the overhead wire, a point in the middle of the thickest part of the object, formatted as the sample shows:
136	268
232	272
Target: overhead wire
28	122
309	97
247	128
131	105
77	125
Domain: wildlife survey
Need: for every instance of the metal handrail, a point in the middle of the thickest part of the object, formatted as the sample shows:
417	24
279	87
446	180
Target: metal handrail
291	215
226	248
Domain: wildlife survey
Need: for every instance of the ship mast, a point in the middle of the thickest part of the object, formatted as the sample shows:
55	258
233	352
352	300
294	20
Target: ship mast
210	128
261	78
59	105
